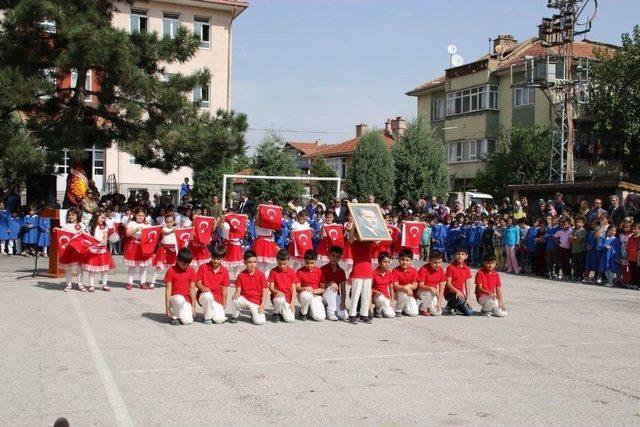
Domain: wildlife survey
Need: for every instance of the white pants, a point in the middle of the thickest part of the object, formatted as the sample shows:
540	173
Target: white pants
491	305
244	304
429	301
360	291
334	300
406	304
383	306
211	308
69	274
181	309
17	243
282	307
310	302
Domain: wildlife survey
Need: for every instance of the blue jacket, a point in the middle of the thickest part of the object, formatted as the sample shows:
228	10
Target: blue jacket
15	227
475	235
610	248
530	240
511	236
439	235
551	241
30	229
5	216
44	227
453	239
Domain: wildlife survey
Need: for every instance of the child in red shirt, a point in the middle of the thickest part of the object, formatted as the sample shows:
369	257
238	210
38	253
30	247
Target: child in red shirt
251	291
405	283
283	283
334	282
458	284
213	280
180	295
309	290
489	288
431	278
360	281
382	287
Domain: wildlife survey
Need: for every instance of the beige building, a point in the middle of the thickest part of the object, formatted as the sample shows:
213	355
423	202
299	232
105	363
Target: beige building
212	21
470	104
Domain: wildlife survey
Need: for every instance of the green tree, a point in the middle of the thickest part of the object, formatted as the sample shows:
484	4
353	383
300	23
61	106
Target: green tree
420	162
207	181
614	96
371	170
522	157
130	101
271	160
326	189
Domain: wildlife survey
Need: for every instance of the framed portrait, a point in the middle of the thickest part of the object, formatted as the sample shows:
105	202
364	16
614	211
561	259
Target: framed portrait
369	222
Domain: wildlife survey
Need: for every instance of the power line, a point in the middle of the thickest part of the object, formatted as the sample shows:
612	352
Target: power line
297	131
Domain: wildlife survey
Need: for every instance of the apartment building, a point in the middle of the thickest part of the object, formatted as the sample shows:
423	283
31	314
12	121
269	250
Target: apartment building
470	104
212	22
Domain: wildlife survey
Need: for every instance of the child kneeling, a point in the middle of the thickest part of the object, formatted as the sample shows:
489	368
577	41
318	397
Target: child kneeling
180	295
382	287
431	279
251	291
309	290
489	288
213	280
283	283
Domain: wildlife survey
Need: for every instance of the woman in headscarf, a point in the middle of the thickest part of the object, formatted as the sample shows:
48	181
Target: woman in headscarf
518	213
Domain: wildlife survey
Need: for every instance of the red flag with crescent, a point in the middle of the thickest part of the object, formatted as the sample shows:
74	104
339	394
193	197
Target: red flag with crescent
237	225
62	238
82	242
301	242
270	216
335	234
412	234
203	228
149	239
183	236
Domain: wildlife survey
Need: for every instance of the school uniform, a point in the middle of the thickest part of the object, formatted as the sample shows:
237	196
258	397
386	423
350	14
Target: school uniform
98	258
333	298
490	281
553	259
70	258
166	256
360	279
265	248
381	282
30	229
283	281
15	229
180	300
432	278
298	261
212	302
452	241
439	237
133	255
251	288
459	274
404	303
311	303
610	258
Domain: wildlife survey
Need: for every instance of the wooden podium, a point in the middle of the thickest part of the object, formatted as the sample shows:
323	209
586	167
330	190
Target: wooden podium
54	266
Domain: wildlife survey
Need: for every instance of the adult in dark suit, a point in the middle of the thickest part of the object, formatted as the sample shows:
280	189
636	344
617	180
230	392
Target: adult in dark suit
616	210
341	211
245	206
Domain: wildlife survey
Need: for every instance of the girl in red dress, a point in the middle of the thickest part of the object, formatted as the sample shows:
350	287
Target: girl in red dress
265	248
70	258
167	255
325	241
133	255
233	231
98	259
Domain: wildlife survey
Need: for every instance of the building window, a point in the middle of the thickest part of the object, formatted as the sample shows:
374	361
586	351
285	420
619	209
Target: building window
98	162
133	192
202	29
201	95
339	166
438	109
132	160
473	99
139	21
88	83
170	24
523	96
471	151
63	166
172	193
48	26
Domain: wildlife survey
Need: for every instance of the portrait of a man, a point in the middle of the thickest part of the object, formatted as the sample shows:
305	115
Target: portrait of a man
369	222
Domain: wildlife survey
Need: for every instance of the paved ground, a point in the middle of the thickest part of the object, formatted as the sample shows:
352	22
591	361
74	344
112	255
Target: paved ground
567	354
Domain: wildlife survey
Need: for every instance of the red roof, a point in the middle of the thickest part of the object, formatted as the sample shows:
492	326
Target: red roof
306	148
346	147
428	85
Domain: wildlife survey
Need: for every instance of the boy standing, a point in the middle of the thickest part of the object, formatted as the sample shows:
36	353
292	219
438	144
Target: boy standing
579	249
309	290
489	288
431	278
251	291
333	280
563	239
360	281
405	284
498	243
382	287
425	240
283	283
213	280
180	295
458	284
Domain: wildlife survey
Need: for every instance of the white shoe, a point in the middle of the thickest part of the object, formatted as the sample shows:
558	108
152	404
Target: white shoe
332	317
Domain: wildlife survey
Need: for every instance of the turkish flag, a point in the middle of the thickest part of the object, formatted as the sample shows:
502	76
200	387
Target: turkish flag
237	225
82	242
149	239
301	242
183	236
203	228
62	238
412	234
335	234
270	216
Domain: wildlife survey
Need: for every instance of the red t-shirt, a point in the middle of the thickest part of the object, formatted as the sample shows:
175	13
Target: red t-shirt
382	281
362	268
251	285
308	277
632	248
180	280
405	277
459	276
489	281
431	277
214	280
283	280
330	276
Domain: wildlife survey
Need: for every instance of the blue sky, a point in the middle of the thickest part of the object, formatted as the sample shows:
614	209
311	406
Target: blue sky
326	65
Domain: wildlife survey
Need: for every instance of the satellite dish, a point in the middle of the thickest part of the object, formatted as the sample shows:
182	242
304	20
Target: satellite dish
452	49
457	60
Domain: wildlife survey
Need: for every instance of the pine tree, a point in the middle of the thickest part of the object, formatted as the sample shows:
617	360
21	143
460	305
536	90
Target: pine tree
420	163
271	160
207	181
371	170
133	104
326	189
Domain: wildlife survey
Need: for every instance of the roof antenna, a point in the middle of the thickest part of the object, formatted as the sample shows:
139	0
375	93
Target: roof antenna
490	46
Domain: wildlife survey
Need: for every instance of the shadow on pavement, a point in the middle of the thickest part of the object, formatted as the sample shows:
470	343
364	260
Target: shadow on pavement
156	317
51	286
